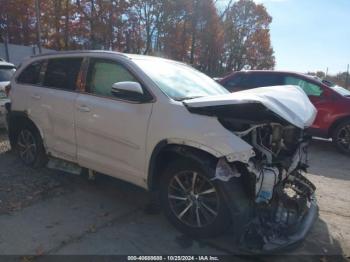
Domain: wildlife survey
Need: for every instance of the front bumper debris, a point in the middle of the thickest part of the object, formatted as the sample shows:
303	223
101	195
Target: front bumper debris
303	228
274	226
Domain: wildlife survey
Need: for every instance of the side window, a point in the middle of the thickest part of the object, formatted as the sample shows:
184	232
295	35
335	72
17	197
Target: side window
103	74
248	81
31	74
309	88
62	73
267	79
234	83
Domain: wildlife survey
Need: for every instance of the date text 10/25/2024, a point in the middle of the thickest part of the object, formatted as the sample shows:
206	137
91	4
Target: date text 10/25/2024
173	258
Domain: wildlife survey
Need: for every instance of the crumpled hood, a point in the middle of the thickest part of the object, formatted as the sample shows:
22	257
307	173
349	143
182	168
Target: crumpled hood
289	102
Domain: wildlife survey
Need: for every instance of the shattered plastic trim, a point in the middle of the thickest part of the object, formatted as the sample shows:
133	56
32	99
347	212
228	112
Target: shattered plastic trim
241	156
224	171
300	156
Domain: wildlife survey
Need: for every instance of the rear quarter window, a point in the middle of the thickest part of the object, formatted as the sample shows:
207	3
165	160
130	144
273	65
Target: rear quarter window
31	74
62	73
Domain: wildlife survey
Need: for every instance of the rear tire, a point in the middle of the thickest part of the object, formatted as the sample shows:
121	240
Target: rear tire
192	201
341	137
29	146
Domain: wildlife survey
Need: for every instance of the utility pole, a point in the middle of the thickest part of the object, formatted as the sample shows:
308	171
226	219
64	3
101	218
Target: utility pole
38	27
347	77
5	38
6	41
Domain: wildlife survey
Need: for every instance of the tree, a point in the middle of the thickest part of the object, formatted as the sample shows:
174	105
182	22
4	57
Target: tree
17	21
192	31
247	37
148	13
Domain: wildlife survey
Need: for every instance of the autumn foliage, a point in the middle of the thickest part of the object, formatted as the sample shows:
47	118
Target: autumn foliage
214	40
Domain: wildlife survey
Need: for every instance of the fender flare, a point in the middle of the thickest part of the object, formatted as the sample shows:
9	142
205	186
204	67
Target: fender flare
12	115
337	122
184	148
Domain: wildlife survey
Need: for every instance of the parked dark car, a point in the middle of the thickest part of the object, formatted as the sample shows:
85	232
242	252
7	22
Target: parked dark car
331	101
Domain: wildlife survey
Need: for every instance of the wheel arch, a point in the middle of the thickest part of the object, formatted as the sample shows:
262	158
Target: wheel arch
15	120
167	150
336	123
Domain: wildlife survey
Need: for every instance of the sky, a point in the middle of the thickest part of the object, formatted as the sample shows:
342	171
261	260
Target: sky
310	35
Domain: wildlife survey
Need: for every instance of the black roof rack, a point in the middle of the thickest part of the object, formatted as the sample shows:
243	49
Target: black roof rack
77	52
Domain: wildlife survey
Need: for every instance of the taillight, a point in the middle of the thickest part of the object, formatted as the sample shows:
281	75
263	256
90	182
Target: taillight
7	90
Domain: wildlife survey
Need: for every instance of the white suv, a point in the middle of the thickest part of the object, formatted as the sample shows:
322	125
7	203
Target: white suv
216	159
6	72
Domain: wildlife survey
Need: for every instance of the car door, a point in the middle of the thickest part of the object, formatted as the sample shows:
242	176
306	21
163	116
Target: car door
25	94
317	96
48	92
57	100
111	130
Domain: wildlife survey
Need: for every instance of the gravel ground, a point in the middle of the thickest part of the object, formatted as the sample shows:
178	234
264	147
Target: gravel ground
109	211
22	186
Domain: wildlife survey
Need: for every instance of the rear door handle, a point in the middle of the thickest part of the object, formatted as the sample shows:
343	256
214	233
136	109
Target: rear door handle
36	96
83	108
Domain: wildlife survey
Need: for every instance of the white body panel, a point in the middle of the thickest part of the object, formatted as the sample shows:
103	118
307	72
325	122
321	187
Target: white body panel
3	84
111	136
202	132
118	138
59	109
52	111
3	101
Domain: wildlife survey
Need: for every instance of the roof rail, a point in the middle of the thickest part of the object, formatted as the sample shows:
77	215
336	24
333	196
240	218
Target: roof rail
76	52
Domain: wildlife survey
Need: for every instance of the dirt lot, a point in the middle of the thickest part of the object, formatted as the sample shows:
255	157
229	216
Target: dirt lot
51	212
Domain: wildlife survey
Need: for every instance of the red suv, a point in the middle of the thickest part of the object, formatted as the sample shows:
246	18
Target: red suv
331	101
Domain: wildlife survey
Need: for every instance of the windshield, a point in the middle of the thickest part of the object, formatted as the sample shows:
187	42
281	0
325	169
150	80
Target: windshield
178	81
6	73
340	90
2	94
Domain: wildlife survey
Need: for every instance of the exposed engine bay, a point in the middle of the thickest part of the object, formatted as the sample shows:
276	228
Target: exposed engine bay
272	203
280	195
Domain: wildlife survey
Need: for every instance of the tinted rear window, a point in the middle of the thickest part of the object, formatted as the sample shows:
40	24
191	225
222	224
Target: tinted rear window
31	74
62	73
267	79
244	81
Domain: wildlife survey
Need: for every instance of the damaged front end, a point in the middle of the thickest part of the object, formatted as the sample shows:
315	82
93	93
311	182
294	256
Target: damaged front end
276	205
272	203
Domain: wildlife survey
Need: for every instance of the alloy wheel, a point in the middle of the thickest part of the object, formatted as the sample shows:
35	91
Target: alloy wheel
343	138
27	146
193	199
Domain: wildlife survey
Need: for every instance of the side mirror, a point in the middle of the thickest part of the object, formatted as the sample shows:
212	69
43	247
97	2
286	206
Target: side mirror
127	89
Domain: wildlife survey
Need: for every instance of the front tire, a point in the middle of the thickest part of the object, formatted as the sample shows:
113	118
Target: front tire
29	147
341	137
192	201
